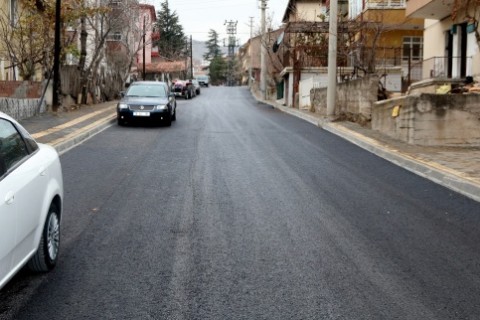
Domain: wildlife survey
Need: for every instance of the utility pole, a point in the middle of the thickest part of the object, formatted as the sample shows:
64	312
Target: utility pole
191	57
186	57
231	43
332	59
56	58
144	31
250	54
263	52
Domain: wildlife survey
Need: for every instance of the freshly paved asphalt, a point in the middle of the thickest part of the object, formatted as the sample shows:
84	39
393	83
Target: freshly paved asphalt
239	211
457	168
453	167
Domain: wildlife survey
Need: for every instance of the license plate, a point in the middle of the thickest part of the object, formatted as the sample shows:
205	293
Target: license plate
141	114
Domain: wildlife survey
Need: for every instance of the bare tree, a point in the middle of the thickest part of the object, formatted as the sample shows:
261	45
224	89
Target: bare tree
26	39
120	62
96	23
118	22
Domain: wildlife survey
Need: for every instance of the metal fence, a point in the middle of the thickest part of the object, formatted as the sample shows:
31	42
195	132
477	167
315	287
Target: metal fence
445	67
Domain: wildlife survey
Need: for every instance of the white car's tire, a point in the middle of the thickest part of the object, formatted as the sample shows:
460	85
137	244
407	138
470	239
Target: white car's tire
46	256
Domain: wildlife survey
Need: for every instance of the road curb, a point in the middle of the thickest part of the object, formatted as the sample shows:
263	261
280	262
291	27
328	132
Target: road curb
449	178
81	135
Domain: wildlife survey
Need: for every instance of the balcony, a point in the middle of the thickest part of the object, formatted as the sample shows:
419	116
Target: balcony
357	8
446	67
385	4
429	9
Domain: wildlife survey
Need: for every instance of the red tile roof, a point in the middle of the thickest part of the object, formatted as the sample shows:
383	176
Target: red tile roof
164	66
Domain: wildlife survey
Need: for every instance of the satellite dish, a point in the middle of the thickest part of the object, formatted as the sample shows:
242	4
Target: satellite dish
277	43
280	37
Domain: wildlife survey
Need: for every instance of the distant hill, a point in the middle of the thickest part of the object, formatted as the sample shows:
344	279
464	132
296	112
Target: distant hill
200	48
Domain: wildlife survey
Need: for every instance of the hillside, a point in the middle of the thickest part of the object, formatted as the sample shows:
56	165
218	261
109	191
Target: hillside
200	48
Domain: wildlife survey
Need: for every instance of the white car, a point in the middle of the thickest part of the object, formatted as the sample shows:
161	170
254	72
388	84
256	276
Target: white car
196	86
203	80
31	195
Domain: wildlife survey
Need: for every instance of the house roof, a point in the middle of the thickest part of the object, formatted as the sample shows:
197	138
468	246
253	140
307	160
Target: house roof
290	8
163	67
150	8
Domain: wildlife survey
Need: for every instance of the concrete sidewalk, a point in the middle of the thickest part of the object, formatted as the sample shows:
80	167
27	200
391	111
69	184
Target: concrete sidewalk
454	168
65	129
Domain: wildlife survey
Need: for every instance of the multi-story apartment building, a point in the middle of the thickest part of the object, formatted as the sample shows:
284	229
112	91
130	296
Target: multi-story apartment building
387	38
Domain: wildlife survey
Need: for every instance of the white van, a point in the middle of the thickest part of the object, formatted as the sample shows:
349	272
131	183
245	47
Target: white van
203	80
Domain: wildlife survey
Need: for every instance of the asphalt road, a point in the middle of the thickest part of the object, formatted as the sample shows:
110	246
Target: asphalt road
238	211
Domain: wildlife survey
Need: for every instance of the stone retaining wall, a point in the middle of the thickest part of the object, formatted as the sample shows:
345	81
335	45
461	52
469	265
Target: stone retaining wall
354	99
22	108
430	119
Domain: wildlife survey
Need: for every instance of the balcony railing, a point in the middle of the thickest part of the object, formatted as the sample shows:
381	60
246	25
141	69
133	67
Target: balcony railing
445	67
366	58
385	4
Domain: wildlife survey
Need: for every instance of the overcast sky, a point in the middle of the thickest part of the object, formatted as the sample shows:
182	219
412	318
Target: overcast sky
199	16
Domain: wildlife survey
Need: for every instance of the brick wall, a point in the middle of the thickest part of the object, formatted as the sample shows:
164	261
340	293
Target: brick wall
20	89
7	88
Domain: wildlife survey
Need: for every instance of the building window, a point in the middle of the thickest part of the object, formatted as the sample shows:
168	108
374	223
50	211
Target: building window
390	4
412	48
116	36
355	8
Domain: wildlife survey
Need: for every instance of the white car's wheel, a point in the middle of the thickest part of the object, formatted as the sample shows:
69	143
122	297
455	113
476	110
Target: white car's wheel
46	256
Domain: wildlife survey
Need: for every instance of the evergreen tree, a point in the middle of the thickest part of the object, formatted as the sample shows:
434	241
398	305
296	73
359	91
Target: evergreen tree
218	65
218	69
171	44
213	48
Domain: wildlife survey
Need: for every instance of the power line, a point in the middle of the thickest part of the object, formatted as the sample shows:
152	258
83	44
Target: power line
231	44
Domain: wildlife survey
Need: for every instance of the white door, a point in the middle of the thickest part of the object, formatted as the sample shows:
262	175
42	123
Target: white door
8	214
24	188
29	186
7	229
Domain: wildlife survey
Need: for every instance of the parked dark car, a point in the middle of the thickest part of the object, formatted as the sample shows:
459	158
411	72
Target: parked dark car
183	89
147	100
